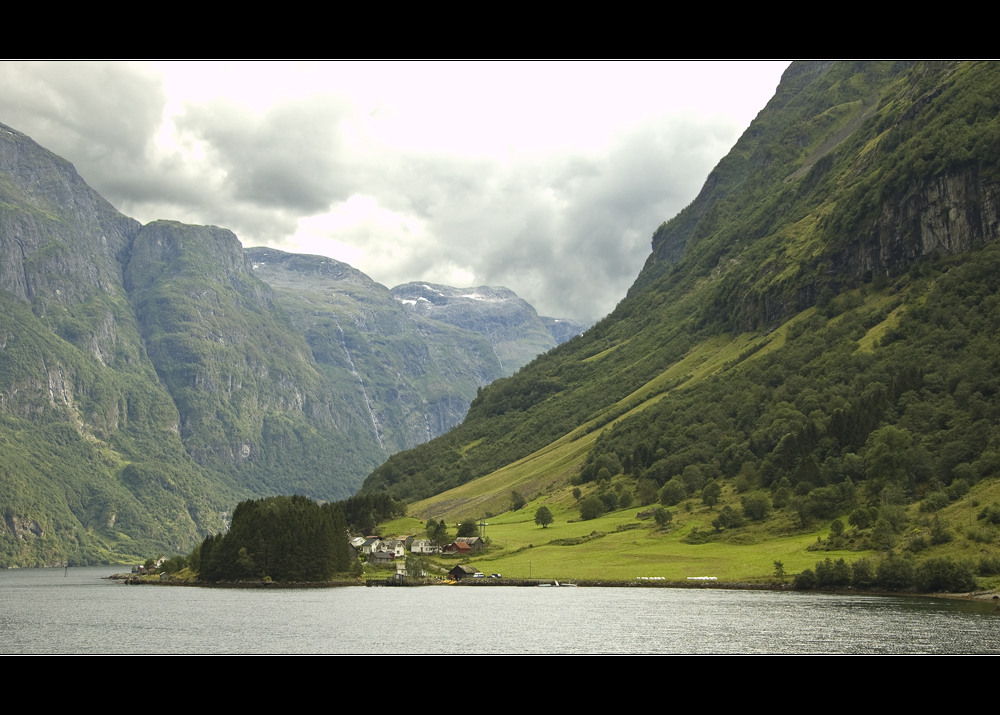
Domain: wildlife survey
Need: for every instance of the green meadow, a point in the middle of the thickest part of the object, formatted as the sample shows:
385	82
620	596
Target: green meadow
618	546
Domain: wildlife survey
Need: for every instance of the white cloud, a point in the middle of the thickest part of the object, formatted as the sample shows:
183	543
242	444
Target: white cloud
547	178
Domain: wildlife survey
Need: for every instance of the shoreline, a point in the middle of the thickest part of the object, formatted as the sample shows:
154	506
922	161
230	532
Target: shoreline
989	595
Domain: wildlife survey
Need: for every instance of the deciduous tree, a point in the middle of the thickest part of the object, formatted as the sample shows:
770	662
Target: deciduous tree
543	516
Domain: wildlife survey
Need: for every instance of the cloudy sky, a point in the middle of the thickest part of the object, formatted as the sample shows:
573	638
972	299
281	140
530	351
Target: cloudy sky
546	178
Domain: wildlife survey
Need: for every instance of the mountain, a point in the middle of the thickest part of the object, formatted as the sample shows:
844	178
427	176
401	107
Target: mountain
514	330
563	329
91	438
151	376
411	379
818	328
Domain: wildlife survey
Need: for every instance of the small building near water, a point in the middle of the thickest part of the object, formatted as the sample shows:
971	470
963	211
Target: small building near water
462	571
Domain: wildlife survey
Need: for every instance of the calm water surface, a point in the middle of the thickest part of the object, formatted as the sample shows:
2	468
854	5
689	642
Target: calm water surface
41	611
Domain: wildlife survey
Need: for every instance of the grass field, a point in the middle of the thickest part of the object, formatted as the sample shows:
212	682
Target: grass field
619	547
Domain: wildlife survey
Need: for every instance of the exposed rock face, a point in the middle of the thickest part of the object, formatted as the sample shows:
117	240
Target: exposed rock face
941	215
23	529
59	239
236	366
909	192
80	399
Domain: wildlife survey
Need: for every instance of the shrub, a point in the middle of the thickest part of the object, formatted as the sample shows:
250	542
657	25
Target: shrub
939	533
610	500
934	501
895	573
990	513
710	493
805	580
862	574
957	489
728	519
945	574
646	492
591	508
832	574
989	565
981	535
782	497
673	492
756	507
884	536
861	518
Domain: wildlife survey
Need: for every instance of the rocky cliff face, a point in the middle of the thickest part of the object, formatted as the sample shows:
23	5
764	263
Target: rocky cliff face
81	408
251	399
59	239
869	167
939	215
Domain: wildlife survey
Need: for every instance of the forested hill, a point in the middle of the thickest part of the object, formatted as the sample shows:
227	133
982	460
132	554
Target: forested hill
825	312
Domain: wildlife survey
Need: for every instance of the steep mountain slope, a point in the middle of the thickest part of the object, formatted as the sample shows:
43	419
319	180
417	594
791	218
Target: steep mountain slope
820	319
93	464
252	402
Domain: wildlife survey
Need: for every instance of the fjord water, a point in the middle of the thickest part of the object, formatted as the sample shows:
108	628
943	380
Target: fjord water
43	611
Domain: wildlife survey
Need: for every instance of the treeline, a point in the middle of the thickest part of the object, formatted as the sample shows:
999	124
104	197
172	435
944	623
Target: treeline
290	538
898	572
366	511
278	538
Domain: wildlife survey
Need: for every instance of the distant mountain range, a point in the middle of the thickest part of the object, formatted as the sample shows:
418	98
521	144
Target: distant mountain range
151	376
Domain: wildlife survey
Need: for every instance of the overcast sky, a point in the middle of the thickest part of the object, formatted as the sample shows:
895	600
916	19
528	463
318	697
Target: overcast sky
546	178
